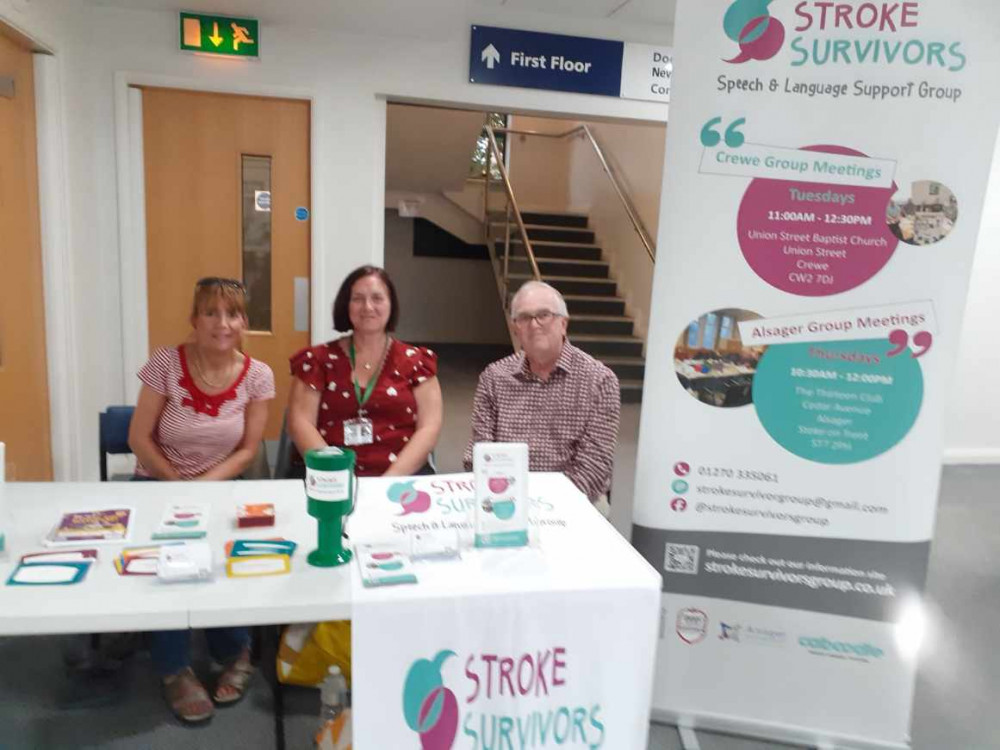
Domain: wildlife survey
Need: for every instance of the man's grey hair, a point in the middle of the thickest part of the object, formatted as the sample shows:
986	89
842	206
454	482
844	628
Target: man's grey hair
530	286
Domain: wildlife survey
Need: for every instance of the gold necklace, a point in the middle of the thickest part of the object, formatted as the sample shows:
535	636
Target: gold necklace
201	373
368	365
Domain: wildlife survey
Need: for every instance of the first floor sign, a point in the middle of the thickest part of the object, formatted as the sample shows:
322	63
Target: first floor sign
556	62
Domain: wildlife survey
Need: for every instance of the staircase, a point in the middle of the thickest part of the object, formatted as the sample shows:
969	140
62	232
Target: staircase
569	260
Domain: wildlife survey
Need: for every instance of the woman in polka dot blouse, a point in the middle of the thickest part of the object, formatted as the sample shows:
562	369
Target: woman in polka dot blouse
367	391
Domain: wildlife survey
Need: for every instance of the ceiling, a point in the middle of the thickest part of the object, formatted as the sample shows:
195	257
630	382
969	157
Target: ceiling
631	11
357	14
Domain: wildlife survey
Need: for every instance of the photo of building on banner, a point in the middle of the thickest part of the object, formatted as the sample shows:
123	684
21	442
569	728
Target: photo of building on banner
823	192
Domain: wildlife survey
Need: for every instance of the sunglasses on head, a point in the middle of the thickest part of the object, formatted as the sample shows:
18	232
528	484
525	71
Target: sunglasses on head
219	281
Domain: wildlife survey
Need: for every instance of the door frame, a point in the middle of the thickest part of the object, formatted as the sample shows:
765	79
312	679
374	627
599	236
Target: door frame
67	444
131	179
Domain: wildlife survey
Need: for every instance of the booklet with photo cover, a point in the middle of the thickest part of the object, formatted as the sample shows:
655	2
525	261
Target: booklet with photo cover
91	526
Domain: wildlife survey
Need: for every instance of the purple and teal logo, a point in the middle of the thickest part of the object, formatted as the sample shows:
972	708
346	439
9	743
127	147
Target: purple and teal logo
408	497
750	25
429	708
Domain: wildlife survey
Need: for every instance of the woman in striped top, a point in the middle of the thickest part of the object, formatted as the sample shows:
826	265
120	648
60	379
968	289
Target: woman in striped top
201	416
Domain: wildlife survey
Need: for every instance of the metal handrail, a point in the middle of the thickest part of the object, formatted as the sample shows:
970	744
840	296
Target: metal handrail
503	277
633	215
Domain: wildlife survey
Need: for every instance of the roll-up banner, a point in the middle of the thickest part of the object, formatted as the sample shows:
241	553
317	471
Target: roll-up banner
826	166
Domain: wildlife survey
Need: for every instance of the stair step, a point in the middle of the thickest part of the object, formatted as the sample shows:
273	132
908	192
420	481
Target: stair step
631	394
560	234
584	304
554	219
541	232
611	346
570	250
626	368
570	284
611	325
591	269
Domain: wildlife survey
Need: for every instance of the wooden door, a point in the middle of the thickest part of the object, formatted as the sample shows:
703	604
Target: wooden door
207	159
24	393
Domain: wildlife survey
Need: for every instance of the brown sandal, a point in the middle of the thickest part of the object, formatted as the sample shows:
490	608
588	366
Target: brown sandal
236	676
187	697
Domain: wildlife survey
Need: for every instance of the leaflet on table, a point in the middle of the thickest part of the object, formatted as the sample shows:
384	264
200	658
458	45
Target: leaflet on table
53	568
138	561
382	566
185	561
92	526
185	521
501	474
258	557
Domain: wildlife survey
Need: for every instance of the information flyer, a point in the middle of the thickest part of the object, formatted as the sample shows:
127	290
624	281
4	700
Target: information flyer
826	166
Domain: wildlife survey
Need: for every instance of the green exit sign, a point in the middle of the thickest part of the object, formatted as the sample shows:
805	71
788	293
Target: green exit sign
220	35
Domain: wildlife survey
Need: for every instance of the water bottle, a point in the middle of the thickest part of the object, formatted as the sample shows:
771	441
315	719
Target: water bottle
333	701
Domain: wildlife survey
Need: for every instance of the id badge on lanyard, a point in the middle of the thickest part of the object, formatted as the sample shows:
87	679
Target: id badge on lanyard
358	431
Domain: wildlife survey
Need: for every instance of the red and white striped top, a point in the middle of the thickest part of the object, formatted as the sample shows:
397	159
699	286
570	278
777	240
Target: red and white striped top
197	431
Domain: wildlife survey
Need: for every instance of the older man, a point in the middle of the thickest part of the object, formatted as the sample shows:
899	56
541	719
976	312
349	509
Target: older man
556	398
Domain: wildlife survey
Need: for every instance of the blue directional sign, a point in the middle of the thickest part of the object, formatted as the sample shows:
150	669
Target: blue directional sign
530	59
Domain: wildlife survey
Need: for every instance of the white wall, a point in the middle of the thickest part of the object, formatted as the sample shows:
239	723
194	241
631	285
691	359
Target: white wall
439	209
401	51
428	149
972	426
443	300
635	153
539	167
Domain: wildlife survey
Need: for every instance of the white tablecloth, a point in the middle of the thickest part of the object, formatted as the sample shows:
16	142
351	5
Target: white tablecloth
552	644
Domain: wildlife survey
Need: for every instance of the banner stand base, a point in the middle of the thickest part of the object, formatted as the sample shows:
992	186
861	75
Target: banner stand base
689	740
687	723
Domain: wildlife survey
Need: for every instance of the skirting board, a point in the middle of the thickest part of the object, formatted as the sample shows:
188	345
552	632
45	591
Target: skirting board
767	731
954	456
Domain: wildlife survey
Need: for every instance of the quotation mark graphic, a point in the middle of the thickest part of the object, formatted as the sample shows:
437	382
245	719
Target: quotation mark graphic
900	339
733	137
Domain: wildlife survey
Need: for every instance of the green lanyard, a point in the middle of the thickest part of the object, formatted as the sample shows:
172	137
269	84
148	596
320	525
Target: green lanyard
363	399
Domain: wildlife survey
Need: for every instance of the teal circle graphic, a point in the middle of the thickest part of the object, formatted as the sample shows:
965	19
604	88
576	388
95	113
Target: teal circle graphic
679	486
837	402
504	509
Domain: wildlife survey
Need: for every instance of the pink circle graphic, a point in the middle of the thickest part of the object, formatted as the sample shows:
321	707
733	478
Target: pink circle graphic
815	239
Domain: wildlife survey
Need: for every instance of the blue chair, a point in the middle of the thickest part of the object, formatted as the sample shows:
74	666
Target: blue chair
113	434
95	662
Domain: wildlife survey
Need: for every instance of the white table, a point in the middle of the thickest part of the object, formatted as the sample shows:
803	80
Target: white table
562	557
106	602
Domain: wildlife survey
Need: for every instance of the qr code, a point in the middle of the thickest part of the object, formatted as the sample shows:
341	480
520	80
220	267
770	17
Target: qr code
681	558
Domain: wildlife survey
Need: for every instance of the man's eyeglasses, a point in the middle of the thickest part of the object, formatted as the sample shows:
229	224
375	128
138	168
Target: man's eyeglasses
219	281
542	317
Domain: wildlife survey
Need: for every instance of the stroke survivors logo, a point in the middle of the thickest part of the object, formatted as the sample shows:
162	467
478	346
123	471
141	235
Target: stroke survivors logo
409	498
750	25
430	709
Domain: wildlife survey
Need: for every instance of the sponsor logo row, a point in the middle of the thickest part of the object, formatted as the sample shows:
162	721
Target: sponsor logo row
693	626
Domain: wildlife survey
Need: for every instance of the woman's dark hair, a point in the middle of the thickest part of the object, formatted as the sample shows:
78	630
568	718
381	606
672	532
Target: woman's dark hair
342	303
